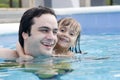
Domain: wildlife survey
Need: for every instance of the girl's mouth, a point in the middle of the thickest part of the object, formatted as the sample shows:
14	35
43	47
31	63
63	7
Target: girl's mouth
64	39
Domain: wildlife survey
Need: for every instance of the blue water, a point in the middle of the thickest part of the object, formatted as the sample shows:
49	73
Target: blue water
102	61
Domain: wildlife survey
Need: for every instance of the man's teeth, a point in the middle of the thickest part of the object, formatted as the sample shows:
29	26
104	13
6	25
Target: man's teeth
48	43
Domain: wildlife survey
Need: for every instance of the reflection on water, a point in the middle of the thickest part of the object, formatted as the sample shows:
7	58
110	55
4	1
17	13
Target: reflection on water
50	68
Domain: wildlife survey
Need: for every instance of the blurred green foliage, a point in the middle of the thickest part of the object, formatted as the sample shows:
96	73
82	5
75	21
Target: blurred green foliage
6	3
108	2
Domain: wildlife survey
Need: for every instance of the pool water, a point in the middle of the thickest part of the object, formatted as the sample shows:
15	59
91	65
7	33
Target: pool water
102	61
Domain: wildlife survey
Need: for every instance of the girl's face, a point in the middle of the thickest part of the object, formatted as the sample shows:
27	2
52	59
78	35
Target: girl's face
67	36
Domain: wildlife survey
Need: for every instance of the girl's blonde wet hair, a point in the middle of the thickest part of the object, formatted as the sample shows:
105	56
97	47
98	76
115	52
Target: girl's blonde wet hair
73	24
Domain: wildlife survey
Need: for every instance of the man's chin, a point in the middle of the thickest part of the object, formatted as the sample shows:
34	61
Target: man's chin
47	53
43	55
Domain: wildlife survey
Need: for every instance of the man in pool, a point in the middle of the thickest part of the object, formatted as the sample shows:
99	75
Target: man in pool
37	34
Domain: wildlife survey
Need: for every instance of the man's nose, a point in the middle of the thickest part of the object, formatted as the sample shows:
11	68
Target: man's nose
51	35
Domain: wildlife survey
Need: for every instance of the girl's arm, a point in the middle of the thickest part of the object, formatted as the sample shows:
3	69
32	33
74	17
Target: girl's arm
8	54
21	53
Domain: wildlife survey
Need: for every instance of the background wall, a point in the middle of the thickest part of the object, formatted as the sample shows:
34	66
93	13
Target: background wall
95	20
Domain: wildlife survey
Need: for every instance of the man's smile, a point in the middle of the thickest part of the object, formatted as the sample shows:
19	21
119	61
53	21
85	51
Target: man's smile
47	43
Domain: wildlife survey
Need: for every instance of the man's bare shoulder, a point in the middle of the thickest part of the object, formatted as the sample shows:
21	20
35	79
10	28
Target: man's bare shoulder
8	54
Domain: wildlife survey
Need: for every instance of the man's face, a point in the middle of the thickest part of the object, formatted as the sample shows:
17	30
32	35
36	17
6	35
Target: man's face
43	36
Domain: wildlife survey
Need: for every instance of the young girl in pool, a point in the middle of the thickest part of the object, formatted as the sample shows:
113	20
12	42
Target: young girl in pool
68	39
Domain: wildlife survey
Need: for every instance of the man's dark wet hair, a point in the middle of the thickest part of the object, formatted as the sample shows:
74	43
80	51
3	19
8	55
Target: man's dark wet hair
27	20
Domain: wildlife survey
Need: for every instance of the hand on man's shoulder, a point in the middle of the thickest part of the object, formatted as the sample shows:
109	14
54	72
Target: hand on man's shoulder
8	54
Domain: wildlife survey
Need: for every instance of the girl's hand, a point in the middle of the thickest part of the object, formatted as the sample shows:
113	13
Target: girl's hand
21	54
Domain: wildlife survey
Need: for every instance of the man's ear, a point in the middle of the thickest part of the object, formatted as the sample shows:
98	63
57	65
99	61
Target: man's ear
24	35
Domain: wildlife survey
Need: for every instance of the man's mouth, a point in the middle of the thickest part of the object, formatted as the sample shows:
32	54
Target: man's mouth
48	44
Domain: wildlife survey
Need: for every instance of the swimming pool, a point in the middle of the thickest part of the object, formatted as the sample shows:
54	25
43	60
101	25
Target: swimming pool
102	61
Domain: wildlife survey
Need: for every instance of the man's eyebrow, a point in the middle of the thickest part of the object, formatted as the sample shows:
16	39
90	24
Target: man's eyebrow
44	27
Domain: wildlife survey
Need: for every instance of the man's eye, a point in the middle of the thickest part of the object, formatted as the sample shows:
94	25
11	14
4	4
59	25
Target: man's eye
44	30
55	32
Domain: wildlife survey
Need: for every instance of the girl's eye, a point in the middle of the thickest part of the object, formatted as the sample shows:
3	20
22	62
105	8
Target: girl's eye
72	34
62	30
